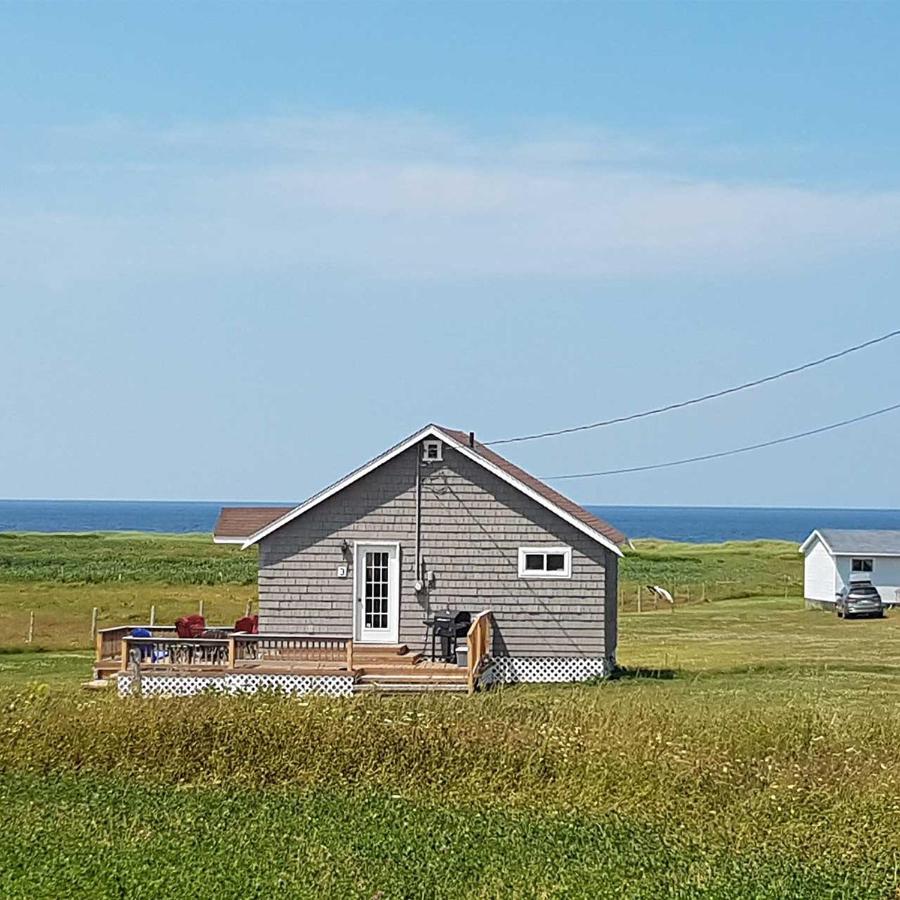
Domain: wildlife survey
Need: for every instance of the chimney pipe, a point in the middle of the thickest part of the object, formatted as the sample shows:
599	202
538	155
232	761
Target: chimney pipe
472	439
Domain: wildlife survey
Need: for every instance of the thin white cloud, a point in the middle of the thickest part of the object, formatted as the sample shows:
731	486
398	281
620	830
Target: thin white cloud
401	197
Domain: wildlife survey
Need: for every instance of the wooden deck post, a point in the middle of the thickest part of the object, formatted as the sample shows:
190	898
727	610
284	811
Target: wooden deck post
125	651
350	655
232	651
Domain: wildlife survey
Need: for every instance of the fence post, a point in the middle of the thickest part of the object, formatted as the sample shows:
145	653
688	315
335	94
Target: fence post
30	626
703	598
152	615
640	597
136	686
94	623
201	606
248	607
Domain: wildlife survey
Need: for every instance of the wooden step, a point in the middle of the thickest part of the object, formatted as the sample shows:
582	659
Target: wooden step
382	659
380	650
376	667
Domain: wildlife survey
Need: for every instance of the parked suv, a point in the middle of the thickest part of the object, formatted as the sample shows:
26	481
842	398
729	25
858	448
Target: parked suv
859	598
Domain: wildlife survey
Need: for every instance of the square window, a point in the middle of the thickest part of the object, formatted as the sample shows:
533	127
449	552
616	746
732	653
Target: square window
861	565
556	562
534	562
432	451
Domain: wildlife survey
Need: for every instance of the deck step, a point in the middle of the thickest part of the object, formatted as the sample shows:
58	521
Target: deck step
383	667
380	650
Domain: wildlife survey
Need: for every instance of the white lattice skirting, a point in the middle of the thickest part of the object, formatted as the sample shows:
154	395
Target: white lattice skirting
545	669
186	685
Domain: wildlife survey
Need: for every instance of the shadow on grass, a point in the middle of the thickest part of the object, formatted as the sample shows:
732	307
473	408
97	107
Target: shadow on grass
622	673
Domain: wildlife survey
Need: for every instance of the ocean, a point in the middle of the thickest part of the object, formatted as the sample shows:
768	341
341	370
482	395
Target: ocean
696	524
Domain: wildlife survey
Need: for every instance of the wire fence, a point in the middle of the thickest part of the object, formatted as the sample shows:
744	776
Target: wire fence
636	596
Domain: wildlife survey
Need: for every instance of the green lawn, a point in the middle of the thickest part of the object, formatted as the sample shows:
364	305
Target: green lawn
98	839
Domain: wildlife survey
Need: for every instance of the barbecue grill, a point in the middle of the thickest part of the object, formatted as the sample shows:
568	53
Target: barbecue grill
449	626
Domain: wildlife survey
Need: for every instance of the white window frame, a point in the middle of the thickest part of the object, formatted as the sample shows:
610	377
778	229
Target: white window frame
862	559
436	445
565	572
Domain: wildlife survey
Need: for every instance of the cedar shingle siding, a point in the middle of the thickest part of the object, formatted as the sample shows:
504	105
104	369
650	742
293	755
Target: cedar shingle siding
472	525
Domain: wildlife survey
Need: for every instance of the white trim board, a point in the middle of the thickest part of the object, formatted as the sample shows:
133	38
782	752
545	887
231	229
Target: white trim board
392	635
470	453
539	550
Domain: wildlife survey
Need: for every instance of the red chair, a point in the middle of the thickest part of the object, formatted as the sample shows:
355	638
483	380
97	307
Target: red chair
247	624
190	626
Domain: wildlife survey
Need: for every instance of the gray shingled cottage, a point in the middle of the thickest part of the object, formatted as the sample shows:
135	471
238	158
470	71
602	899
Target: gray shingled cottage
440	521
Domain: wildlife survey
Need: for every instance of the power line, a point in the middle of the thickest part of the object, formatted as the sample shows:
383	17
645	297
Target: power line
683	403
722	453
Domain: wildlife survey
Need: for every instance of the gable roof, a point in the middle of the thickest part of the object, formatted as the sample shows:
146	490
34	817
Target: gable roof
854	541
566	509
236	523
544	490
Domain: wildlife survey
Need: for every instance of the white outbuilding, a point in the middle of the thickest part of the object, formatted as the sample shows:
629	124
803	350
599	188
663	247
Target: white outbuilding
833	557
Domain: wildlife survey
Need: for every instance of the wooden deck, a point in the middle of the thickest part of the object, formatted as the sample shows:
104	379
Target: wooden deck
373	667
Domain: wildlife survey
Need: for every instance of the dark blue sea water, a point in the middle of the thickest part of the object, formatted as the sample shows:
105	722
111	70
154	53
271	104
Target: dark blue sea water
678	523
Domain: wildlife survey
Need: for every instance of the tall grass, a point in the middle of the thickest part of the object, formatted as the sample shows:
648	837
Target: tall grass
138	558
750	776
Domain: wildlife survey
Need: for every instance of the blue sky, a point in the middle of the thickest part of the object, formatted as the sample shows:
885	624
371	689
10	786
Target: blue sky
244	247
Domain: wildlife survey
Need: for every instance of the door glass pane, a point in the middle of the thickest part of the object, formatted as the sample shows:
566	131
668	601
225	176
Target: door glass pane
376	589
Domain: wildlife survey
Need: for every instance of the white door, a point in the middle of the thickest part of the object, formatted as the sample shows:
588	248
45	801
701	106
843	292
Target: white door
377	588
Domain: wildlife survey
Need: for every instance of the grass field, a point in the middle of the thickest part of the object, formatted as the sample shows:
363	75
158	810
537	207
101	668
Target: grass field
750	750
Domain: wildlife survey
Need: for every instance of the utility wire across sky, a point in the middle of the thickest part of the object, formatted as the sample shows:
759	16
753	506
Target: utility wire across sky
722	453
694	400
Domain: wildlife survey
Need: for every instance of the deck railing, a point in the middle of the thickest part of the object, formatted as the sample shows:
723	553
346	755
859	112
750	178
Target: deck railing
233	651
314	649
478	643
109	640
176	651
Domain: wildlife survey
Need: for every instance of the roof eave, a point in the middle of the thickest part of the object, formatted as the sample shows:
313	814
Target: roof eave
429	431
816	535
